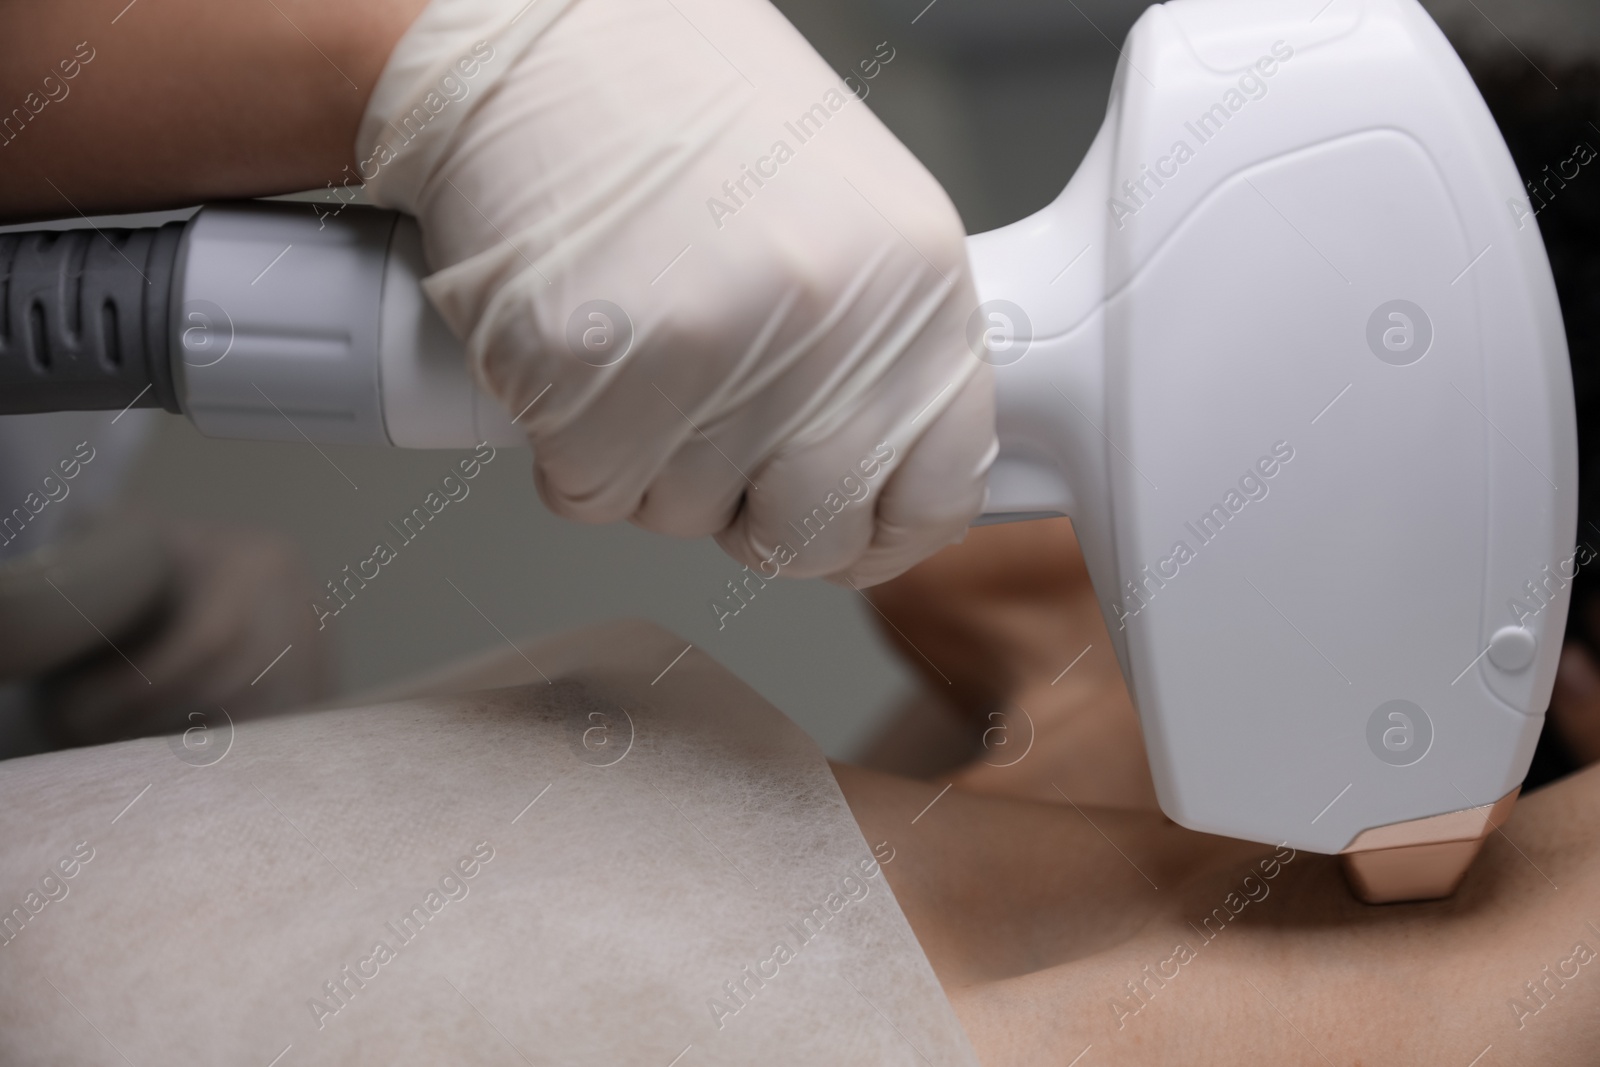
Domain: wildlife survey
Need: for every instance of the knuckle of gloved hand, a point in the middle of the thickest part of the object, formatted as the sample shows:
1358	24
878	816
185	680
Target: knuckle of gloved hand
875	568
934	509
684	502
743	546
568	493
937	494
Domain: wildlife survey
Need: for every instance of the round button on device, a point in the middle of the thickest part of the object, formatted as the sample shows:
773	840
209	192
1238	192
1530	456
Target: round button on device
1511	648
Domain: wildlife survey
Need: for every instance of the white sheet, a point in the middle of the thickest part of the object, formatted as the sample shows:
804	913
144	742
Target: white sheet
614	856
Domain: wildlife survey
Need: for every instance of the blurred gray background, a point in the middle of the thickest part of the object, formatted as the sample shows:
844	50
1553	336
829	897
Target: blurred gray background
1000	99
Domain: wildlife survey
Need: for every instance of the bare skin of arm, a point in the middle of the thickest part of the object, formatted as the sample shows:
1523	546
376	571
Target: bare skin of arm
1036	917
171	102
1006	633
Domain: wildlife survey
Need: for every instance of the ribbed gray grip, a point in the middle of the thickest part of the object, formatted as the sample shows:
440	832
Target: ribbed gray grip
84	319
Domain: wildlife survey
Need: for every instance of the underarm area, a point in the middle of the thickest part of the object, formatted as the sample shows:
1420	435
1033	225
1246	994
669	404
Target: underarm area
1056	929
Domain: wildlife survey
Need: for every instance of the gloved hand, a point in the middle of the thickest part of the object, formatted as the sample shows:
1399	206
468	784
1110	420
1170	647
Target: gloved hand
781	361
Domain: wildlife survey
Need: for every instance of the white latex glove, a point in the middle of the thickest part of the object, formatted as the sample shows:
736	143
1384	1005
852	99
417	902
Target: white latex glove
799	345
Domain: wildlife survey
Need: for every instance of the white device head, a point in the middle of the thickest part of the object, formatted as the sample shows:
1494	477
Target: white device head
1288	352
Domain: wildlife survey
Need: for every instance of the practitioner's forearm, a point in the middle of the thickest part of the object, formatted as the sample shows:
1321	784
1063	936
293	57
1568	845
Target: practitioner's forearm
111	106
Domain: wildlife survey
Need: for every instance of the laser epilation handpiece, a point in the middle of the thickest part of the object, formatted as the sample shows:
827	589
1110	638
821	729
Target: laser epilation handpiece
1287	350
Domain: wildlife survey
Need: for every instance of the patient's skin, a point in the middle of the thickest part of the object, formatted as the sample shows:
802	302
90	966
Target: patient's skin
1037	916
1006	624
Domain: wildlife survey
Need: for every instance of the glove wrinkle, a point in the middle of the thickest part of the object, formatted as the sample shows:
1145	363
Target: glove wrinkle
746	382
884	339
763	377
791	281
531	257
441	37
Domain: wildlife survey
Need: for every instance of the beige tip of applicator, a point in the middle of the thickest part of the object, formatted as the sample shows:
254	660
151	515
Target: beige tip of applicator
1421	859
